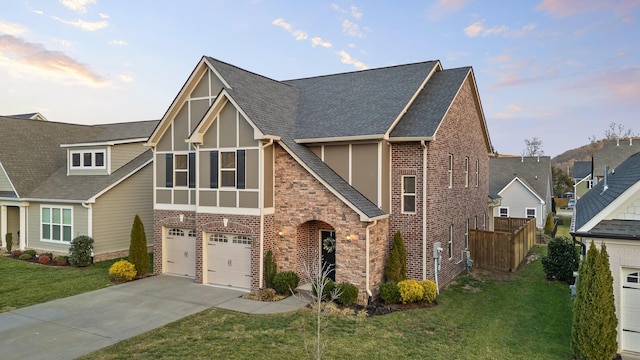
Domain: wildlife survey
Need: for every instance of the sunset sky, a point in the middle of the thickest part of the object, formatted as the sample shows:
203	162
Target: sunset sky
559	70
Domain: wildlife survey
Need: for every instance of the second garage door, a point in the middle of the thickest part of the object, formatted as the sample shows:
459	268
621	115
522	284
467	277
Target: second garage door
229	260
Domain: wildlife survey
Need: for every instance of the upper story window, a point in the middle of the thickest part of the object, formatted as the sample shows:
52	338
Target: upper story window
227	169
180	170
504	212
530	213
409	194
88	159
477	172
450	170
450	242
466	172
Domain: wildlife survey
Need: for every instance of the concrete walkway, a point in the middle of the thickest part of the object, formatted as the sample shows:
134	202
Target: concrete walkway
77	325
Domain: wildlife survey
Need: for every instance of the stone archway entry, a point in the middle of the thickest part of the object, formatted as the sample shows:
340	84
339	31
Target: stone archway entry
328	251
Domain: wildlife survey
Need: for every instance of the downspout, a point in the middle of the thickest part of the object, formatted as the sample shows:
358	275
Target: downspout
366	265
89	208
260	267
424	212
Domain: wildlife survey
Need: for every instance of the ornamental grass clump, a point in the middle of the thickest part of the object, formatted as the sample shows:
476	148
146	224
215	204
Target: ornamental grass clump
122	271
410	291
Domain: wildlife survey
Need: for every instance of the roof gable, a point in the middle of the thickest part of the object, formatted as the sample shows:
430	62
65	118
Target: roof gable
517	182
613	153
535	171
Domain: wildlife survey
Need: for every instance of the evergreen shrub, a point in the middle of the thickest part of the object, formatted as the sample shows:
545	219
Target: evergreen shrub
138	254
348	293
81	249
25	256
284	282
389	293
562	260
430	290
396	269
270	269
410	291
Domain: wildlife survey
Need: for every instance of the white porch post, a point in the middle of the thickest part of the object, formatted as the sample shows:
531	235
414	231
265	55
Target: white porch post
3	224
23	227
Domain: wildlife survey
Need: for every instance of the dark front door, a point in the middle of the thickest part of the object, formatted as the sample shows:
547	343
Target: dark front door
328	246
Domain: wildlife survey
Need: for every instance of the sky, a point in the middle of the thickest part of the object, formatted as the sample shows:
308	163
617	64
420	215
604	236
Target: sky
561	71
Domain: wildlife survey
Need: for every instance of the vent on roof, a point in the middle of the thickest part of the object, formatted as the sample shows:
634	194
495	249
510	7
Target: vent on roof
617	142
606	174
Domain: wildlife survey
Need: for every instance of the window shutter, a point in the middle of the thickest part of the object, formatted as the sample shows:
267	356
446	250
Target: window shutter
213	169
192	170
240	168
169	170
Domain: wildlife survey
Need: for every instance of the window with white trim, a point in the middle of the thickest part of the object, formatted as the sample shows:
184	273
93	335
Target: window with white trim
466	172
450	170
466	235
220	238
228	169
409	194
504	212
180	170
242	239
477	173
530	213
56	223
88	159
450	244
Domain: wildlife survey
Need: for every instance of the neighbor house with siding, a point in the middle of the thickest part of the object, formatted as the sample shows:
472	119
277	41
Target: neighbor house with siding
59	181
321	170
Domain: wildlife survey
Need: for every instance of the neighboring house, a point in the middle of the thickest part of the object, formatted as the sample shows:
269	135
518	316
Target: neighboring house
610	214
32	116
328	167
612	154
524	185
581	178
59	181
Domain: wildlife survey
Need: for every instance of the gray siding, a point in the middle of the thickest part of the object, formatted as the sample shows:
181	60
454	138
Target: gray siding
517	198
123	153
5	184
80	226
113	212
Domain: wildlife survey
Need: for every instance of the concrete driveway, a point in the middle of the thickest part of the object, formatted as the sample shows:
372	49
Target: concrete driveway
74	326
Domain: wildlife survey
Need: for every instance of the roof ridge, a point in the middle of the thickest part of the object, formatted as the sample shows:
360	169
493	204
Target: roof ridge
247	71
126	122
364	70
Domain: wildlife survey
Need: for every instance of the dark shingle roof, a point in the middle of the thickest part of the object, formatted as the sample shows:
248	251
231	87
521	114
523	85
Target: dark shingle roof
361	103
627	229
534	171
31	154
581	169
596	199
427	111
612	153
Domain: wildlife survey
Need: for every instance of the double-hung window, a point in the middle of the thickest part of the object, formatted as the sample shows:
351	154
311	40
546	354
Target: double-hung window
450	243
409	194
450	170
504	212
227	169
466	172
181	170
56	223
477	172
530	213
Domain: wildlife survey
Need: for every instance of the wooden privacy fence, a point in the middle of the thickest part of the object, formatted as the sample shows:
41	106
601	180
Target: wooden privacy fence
505	249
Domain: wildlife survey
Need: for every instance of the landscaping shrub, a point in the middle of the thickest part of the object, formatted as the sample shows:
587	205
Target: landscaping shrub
562	260
9	239
138	254
329	286
44	259
348	293
389	293
50	255
30	252
396	269
61	260
270	269
25	256
81	249
548	227
122	271
266	294
410	291
430	290
16	253
286	281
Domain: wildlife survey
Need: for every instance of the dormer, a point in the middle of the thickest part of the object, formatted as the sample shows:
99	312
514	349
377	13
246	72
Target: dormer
101	158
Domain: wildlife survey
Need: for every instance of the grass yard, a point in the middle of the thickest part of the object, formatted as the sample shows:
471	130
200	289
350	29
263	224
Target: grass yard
563	230
479	316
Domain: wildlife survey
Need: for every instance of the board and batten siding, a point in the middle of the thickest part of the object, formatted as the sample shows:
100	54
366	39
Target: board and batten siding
114	211
79	226
123	153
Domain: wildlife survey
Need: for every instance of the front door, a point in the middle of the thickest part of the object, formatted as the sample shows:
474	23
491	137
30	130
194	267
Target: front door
328	251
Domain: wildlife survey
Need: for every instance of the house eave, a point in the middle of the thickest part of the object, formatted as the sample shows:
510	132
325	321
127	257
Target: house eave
105	143
605	236
411	139
340	139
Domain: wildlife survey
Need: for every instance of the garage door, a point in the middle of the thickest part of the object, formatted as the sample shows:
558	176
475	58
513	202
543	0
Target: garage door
631	310
180	252
229	260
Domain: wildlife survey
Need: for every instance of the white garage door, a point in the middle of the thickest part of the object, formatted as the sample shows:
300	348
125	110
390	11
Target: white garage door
631	310
180	252
229	260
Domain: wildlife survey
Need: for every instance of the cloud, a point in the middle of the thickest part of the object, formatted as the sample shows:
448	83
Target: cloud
298	34
12	28
39	12
515	107
345	58
125	78
444	7
29	59
63	42
621	85
355	12
84	25
564	8
103	16
351	29
337	8
478	29
79	6
317	41
118	42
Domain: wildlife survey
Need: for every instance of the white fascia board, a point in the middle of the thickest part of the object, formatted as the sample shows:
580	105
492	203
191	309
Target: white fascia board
105	143
525	186
609	209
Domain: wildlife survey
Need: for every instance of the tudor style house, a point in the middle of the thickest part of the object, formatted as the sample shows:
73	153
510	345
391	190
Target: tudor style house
59	181
609	214
319	170
524	186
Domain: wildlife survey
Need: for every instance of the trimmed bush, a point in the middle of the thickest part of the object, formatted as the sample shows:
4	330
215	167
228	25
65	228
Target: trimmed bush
61	260
81	249
348	293
30	252
270	269
9	239
548	226
562	260
138	254
430	290
16	253
25	256
50	255
410	291
284	282
44	259
389	293
266	294
122	271
329	286
396	269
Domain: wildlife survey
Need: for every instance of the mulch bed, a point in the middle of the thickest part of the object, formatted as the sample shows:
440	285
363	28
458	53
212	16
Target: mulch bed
378	307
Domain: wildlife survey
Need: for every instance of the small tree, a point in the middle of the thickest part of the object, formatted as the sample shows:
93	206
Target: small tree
9	238
81	250
548	226
138	254
270	269
396	269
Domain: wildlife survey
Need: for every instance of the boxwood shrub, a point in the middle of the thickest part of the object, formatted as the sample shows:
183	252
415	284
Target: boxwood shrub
348	293
286	281
389	293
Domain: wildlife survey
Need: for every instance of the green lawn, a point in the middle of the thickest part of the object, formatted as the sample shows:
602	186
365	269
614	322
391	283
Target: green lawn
563	229
482	316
